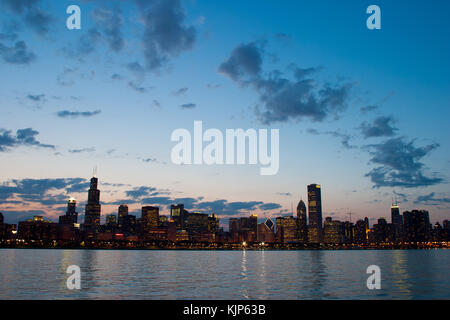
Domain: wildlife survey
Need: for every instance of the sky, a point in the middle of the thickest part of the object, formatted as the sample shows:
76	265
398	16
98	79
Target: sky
361	112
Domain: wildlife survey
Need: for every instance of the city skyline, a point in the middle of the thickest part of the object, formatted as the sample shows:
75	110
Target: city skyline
112	93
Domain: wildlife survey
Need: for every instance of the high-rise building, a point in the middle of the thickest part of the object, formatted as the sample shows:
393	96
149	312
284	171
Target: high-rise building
266	231
150	217
286	229
179	215
71	215
122	213
93	207
213	223
315	213
361	231
397	221
111	220
302	226
417	225
332	231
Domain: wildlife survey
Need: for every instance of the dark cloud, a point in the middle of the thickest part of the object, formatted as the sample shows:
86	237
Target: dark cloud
36	97
9	31
180	91
137	87
38	20
188	106
165	35
17	54
430	199
283	99
400	164
37	189
76	114
345	138
19	6
380	127
34	17
110	23
244	62
23	137
270	206
368	109
139	192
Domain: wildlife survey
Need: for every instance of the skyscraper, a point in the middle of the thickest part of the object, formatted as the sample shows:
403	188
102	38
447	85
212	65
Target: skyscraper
150	217
315	213
71	215
93	207
417	225
397	221
302	228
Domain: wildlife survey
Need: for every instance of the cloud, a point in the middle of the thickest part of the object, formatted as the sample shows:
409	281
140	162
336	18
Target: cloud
83	150
430	199
283	99
400	164
165	35
345	138
138	88
76	114
188	106
368	109
180	91
36	97
36	18
110	23
18	54
23	137
139	192
19	6
381	127
38	189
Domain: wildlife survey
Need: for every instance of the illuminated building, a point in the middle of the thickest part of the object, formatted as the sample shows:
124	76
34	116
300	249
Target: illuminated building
123	212
71	215
302	227
397	221
332	231
266	231
360	231
93	207
38	229
178	214
286	229
150	217
315	213
213	223
348	232
111	220
417	225
196	225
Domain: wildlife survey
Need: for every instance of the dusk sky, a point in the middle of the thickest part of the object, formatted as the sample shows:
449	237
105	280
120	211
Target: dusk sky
364	113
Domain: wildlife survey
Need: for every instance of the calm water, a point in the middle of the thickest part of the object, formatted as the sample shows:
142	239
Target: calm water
40	274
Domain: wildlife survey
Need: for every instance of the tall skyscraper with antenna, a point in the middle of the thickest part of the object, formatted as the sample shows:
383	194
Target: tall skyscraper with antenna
315	213
93	207
396	219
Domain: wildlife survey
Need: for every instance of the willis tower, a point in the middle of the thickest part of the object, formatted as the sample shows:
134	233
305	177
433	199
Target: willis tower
93	207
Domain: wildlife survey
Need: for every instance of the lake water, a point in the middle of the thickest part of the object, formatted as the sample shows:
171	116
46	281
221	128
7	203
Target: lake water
135	274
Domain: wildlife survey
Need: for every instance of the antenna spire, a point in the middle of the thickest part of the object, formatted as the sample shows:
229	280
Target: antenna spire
94	171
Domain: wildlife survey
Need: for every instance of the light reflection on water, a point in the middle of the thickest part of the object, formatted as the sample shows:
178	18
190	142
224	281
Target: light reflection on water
133	274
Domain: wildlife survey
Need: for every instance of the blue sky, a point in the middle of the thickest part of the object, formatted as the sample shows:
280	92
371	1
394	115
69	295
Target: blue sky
110	95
